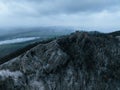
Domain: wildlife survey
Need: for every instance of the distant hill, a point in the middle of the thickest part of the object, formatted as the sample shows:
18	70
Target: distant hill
117	33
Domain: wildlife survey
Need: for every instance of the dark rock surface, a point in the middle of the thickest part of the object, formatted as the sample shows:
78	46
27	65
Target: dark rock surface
80	61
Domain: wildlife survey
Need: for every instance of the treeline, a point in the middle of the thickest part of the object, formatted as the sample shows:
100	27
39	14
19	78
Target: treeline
28	47
23	50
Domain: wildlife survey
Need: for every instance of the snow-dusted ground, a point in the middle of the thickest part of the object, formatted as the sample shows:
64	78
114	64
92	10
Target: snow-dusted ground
6	73
17	40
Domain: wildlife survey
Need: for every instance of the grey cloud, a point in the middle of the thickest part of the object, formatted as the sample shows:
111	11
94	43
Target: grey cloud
78	13
73	6
49	7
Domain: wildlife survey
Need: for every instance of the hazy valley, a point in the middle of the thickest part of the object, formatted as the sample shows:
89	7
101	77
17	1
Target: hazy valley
21	37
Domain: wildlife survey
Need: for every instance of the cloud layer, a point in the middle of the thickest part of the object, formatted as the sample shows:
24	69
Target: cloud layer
93	14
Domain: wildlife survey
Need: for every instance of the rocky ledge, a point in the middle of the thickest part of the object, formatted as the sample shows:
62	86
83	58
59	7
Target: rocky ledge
80	61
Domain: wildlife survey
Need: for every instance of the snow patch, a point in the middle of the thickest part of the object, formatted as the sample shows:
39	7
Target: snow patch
6	73
37	85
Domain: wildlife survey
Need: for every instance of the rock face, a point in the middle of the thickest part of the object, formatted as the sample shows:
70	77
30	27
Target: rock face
80	61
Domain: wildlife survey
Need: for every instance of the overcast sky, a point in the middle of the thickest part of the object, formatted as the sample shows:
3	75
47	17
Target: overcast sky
84	14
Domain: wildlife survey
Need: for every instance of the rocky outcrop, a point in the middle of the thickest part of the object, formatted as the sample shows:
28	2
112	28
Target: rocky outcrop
80	61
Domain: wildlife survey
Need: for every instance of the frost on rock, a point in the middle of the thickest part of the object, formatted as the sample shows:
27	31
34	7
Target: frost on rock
6	74
12	80
37	85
